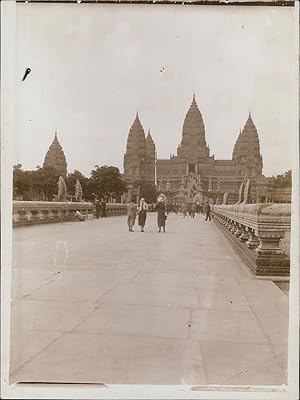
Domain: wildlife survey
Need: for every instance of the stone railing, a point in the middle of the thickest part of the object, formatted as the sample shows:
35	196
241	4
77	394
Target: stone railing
116	209
256	231
39	212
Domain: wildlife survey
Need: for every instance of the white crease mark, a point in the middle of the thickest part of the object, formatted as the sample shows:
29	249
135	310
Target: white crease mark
183	382
237	376
61	244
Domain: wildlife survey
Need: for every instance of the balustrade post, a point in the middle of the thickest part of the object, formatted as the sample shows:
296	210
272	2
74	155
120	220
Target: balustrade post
269	243
233	227
245	235
34	215
270	258
230	225
238	230
22	216
29	215
252	242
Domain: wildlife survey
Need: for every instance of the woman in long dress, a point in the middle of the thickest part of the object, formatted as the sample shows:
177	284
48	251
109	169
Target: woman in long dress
103	209
161	214
142	214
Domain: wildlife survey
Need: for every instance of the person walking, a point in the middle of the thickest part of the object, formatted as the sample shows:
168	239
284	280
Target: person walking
131	215
142	213
98	209
176	208
207	211
184	210
201	209
103	209
193	210
161	214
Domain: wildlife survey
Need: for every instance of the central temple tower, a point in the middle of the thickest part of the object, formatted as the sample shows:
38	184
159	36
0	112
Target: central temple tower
193	146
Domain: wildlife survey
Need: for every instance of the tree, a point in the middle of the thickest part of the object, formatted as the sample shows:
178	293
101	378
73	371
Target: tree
106	181
84	182
21	184
25	184
45	182
283	180
73	177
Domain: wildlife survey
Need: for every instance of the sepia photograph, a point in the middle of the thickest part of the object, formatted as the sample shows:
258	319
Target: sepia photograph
152	172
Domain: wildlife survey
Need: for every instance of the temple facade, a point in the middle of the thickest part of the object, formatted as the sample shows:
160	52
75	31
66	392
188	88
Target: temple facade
193	174
55	157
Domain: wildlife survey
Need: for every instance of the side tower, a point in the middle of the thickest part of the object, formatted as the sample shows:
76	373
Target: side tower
246	151
135	158
150	157
55	157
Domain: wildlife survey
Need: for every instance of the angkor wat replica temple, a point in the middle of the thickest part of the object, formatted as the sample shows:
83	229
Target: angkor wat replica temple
193	174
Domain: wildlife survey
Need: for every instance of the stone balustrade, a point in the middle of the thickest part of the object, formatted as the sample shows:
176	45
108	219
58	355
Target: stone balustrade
116	209
256	231
37	212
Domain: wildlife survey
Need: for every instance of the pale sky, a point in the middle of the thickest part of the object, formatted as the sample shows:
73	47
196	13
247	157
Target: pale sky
93	66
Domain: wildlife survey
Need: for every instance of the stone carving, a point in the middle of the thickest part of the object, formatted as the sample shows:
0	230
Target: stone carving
198	198
225	198
62	189
241	192
78	191
247	192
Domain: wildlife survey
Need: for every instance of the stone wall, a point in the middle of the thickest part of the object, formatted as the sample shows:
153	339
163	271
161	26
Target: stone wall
256	232
39	212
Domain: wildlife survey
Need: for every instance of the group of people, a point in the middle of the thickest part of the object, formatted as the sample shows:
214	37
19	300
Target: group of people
101	209
191	209
141	211
161	207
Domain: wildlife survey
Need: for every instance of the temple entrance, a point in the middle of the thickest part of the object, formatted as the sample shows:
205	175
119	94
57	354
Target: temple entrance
191	168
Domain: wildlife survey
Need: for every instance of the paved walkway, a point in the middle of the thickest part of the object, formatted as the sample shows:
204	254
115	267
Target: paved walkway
95	303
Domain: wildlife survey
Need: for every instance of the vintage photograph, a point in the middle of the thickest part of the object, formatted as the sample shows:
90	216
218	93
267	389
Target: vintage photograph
152	194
